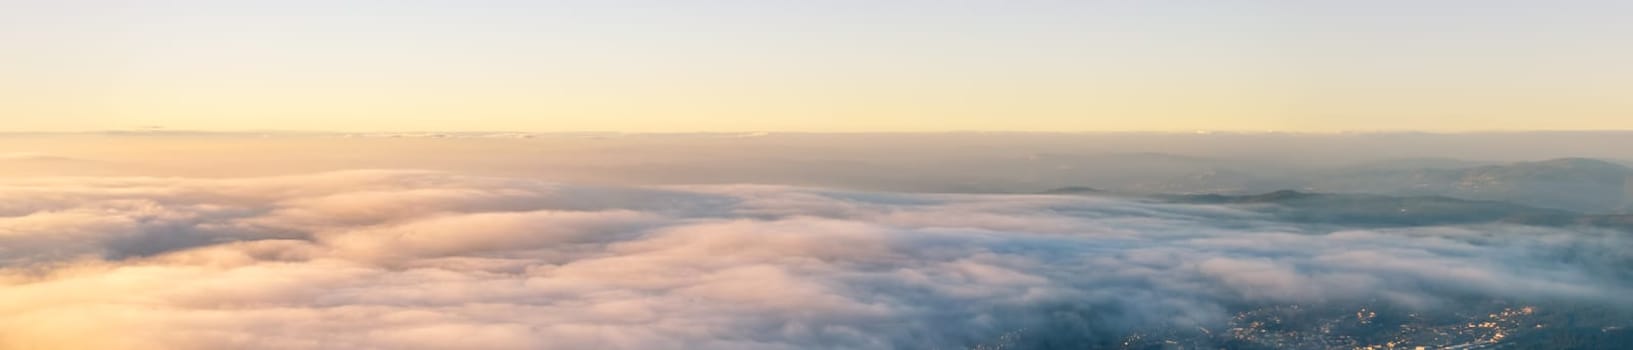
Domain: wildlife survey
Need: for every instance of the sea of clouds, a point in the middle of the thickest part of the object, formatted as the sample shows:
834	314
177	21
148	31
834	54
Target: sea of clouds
434	260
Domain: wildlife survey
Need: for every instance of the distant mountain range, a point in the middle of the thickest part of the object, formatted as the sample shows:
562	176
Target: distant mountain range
1572	184
1389	211
1577	184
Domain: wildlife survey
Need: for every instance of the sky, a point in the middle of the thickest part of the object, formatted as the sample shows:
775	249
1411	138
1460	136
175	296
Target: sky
815	66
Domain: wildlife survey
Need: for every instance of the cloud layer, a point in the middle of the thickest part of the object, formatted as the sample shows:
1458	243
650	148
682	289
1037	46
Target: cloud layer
428	260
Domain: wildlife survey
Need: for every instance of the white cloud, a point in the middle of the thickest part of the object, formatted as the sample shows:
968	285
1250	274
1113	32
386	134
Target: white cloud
424	260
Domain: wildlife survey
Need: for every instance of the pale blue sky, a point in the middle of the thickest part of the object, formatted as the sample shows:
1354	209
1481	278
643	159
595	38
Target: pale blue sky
816	65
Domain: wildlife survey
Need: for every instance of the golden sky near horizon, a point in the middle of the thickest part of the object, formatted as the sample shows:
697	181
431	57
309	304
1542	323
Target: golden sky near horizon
673	66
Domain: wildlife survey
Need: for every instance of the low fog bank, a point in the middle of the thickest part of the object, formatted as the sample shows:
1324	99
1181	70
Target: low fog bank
438	260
